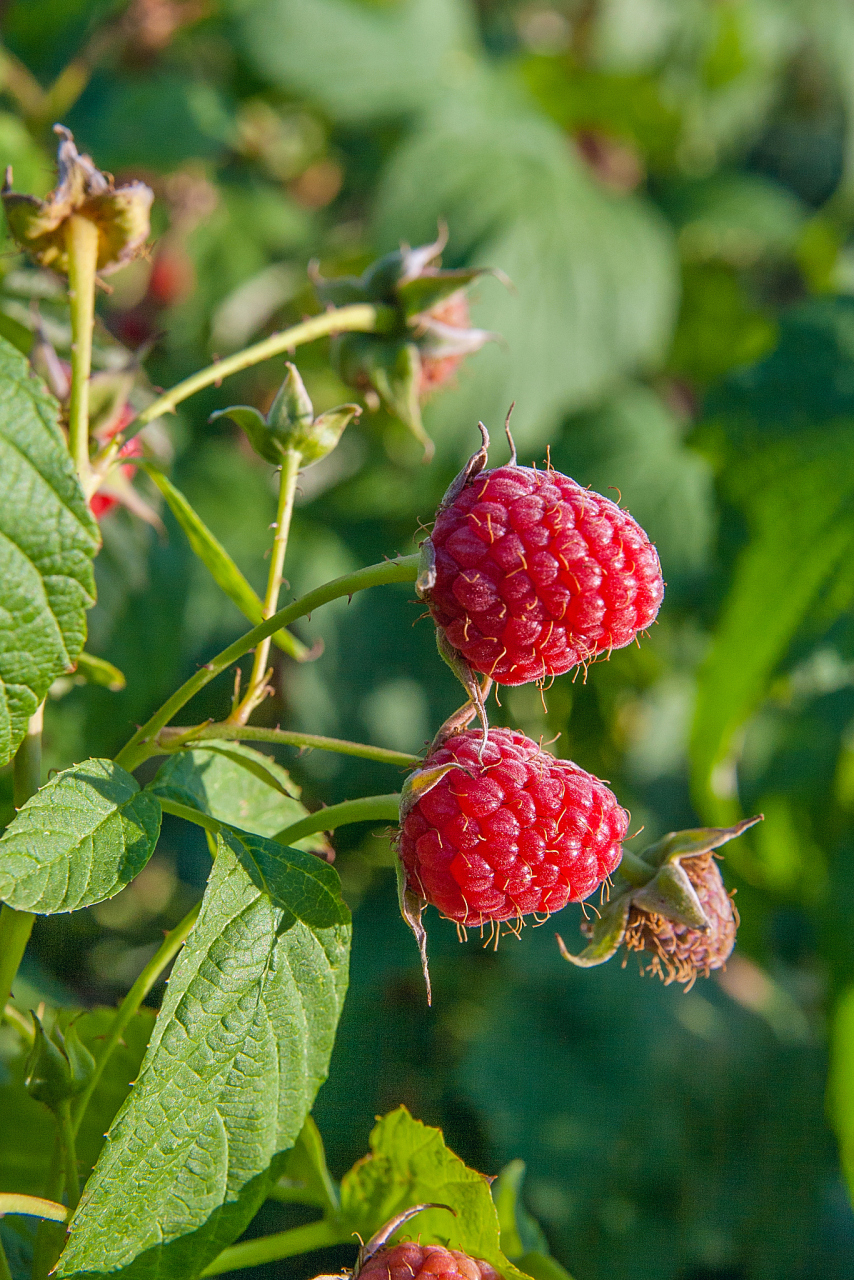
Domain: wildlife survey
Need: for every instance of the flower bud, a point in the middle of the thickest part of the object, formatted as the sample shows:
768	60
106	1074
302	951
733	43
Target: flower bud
121	214
291	425
59	1066
676	908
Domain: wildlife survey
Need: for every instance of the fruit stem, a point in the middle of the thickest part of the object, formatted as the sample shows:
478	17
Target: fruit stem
176	738
359	318
165	953
257	691
367	809
635	870
139	748
81	238
285	1244
69	1154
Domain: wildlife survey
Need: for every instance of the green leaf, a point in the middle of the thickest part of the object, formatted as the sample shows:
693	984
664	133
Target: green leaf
409	1164
78	840
520	1232
240	1048
840	1093
594	274
300	884
801	509
541	1266
47	540
237	785
359	61
217	561
305	1178
27	1126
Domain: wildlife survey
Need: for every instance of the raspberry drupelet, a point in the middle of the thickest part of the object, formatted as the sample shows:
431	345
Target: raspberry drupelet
507	830
533	574
425	1262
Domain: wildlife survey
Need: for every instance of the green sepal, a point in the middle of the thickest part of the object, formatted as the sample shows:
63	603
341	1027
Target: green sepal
608	933
341	291
59	1067
326	431
671	894
425	292
255	426
99	671
292	409
412	909
695	841
419	782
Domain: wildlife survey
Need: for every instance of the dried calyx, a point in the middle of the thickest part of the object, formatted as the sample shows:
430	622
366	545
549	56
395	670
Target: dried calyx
425	334
671	903
121	214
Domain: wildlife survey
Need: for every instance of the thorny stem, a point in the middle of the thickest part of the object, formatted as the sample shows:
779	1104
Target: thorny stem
176	738
143	743
16	926
69	1153
81	237
359	318
288	477
165	953
286	1244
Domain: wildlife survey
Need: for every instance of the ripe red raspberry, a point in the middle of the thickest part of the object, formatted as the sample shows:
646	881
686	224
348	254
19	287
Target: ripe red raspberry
535	574
516	832
425	1262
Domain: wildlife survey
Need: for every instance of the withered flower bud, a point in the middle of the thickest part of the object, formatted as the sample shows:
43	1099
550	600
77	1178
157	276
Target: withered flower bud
121	214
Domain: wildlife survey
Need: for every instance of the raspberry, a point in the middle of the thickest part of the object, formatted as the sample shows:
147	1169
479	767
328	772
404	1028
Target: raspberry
535	574
425	1262
679	952
514	832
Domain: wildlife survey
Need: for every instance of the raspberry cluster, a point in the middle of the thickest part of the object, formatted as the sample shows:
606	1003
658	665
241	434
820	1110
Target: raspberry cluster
425	1262
509	830
535	574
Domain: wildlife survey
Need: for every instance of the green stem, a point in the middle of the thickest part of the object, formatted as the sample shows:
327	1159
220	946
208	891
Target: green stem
186	811
81	238
367	809
50	1238
288	477
189	737
165	953
139	748
5	1269
359	318
286	1244
16	926
69	1154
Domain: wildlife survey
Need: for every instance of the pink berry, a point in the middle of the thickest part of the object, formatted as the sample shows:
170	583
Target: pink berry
425	1262
535	574
516	832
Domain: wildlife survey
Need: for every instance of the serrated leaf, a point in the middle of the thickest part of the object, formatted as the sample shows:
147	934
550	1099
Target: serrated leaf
300	884
47	540
359	61
78	840
217	561
409	1164
594	275
27	1126
240	1047
237	785
801	509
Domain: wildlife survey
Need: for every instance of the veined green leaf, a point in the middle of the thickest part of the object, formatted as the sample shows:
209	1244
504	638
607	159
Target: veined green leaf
218	562
27	1126
240	1048
305	1178
47	540
302	885
237	785
409	1164
801	508
78	840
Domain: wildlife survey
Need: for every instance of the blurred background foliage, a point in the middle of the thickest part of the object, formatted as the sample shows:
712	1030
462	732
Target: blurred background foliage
669	185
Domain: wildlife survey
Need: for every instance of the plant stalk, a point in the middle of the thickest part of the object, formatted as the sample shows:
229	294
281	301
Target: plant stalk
81	238
288	477
635	870
359	318
367	809
16	926
176	738
143	743
166	952
32	1206
286	1244
69	1154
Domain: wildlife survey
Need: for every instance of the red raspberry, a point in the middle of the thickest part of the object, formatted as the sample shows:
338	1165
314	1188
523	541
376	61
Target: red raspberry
518	832
425	1262
535	574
